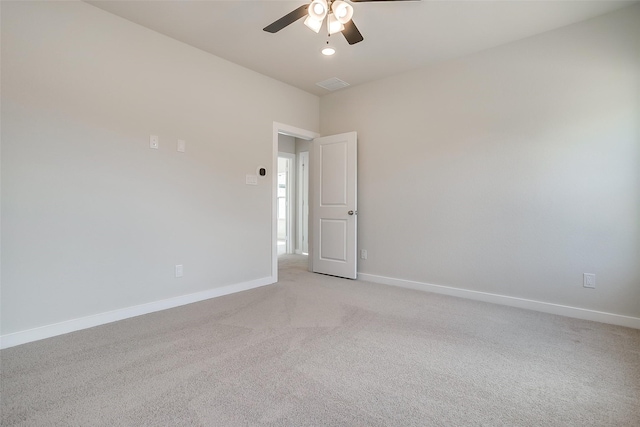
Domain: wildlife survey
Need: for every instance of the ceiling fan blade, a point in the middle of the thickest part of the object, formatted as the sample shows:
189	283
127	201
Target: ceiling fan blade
351	33
287	19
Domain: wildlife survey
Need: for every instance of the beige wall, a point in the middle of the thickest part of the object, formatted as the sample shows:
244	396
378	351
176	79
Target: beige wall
512	171
302	146
92	219
286	144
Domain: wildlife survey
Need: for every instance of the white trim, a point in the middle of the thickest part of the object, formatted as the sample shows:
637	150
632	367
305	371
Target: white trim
303	194
296	133
545	307
48	331
293	131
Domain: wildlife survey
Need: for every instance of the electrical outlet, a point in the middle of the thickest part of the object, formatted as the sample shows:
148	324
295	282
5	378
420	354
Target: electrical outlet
154	141
179	270
589	280
363	254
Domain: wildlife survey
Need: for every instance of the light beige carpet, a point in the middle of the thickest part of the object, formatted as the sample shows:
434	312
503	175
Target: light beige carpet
315	350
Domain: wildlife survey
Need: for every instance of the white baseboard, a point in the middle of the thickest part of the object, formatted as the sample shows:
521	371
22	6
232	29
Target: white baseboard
545	307
48	331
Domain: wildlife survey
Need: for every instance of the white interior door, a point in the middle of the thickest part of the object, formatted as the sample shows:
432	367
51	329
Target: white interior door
334	209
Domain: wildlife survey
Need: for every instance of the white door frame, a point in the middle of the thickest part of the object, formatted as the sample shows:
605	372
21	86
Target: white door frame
296	133
303	195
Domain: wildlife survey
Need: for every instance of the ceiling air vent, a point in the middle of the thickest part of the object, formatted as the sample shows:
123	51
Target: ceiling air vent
332	84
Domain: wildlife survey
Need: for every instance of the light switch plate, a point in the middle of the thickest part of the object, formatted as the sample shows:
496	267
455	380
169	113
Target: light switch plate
252	180
182	145
154	141
179	270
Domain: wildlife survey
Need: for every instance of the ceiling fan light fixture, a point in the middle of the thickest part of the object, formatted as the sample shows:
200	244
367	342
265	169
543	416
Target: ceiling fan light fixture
342	10
334	26
328	50
313	24
318	9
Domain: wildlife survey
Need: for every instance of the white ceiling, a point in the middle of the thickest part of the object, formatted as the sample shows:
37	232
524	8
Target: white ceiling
398	36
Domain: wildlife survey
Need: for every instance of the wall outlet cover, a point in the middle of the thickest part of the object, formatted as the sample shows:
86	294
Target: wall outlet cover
589	280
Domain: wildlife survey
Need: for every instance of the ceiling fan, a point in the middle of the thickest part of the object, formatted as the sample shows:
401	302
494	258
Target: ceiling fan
337	12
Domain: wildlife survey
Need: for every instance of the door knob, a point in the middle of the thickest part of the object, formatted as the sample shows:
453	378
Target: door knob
352	212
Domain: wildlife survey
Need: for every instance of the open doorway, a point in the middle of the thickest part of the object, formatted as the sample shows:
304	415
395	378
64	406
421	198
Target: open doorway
290	225
285	203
